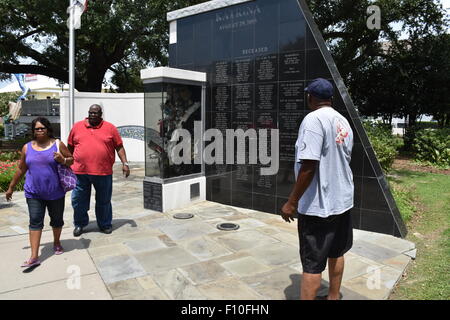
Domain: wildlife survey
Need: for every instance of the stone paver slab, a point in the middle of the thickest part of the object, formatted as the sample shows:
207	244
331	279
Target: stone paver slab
248	223
279	284
121	267
108	250
204	248
177	287
145	244
367	288
204	272
371	251
387	276
245	266
228	289
165	259
399	262
187	230
275	254
244	240
124	287
214	212
355	267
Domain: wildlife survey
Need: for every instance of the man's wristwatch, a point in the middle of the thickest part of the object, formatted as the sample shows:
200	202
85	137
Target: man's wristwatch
126	164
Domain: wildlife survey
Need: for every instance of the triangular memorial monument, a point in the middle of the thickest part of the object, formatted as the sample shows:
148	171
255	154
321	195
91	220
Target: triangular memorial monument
258	56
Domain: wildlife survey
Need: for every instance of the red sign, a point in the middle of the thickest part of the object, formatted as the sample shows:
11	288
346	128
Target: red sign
30	77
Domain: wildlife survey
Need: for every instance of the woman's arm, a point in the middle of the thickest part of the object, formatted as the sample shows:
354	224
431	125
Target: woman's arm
21	170
64	156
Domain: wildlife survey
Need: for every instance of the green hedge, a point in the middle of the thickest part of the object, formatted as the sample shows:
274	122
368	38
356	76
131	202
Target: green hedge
9	156
383	142
432	146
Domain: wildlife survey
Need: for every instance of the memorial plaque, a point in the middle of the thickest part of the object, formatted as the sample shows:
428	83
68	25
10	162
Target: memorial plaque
242	120
222	72
266	96
243	70
221	120
266	120
242	97
222	99
266	68
289	123
153	196
292	66
292	96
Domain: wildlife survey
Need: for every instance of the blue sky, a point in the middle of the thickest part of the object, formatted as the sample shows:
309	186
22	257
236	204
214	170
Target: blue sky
445	3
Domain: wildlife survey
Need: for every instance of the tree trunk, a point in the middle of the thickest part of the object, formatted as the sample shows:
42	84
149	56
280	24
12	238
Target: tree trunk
410	132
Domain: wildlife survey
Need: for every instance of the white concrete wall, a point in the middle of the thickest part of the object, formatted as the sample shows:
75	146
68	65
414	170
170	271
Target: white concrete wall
177	195
121	109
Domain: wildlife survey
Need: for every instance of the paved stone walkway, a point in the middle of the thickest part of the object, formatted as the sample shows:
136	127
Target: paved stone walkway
151	255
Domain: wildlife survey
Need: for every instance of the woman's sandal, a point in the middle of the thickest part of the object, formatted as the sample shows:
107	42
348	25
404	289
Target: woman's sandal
58	250
31	263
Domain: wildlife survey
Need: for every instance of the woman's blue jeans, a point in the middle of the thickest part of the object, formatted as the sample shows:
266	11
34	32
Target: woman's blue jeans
81	197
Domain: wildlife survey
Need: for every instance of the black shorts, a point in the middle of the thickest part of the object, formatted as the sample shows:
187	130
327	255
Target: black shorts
323	238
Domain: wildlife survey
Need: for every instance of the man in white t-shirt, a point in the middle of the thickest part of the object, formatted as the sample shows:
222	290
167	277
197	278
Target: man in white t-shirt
323	193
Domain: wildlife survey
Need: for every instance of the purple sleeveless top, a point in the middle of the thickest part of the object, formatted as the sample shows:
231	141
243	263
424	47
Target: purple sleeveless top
42	180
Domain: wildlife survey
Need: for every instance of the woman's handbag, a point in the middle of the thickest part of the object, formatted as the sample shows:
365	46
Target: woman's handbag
67	178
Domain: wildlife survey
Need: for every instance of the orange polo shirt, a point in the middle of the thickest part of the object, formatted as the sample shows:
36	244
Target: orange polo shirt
94	147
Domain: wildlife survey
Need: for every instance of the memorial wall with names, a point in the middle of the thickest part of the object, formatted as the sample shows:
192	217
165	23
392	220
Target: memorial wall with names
259	57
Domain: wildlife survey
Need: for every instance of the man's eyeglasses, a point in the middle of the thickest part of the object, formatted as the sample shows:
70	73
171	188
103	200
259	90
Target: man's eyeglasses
94	112
40	129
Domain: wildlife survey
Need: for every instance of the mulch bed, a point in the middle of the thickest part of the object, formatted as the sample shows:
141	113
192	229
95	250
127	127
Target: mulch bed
405	163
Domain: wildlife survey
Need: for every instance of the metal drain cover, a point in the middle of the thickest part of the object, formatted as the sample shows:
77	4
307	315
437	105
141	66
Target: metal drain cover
183	215
228	226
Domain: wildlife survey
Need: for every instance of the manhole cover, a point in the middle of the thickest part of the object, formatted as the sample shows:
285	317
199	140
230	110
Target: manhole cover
228	226
183	215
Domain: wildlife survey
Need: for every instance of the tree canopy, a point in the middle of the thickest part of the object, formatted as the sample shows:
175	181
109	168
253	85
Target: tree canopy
112	32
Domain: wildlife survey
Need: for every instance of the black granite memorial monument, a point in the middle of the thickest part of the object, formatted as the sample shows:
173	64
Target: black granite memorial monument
258	56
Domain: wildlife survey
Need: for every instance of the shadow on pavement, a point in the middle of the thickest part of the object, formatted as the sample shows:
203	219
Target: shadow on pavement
68	245
292	292
116	224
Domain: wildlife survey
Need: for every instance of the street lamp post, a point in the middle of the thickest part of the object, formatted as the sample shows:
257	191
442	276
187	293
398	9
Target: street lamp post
71	63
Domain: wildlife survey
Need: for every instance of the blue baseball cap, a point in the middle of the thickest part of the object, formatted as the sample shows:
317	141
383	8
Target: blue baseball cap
320	88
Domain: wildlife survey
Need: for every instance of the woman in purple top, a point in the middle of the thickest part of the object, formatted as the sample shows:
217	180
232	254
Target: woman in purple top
42	187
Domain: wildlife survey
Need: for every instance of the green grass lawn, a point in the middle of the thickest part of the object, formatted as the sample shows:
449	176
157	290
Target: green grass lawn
424	201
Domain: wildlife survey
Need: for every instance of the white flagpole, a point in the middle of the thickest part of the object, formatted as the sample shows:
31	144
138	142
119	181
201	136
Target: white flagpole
71	65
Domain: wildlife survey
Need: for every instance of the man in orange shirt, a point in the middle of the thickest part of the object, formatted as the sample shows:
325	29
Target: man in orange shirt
93	143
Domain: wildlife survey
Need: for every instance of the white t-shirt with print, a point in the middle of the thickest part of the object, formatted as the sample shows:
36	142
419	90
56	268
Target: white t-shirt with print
326	136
